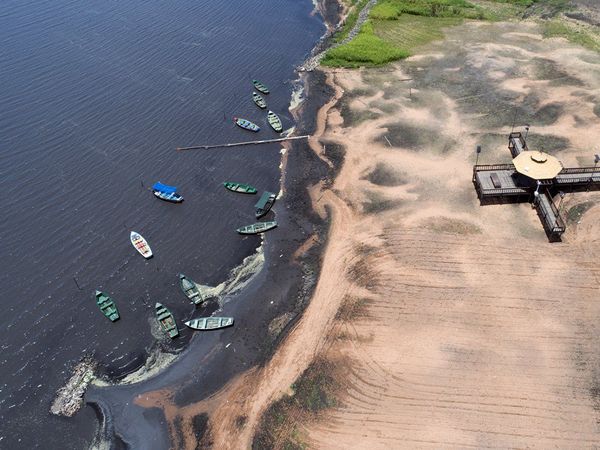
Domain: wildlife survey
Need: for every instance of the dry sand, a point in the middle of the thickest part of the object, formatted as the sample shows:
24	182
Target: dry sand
474	331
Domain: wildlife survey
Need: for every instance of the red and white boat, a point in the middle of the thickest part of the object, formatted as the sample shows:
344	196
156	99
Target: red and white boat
140	244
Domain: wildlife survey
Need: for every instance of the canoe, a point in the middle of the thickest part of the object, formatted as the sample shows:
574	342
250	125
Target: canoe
260	102
239	187
140	244
166	192
274	121
190	289
246	124
256	228
260	87
264	204
210	323
166	320
107	306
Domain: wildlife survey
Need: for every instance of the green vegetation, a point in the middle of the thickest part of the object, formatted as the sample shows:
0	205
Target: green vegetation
366	49
575	213
396	27
314	391
576	34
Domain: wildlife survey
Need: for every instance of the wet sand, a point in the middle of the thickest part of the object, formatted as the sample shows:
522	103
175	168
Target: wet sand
473	330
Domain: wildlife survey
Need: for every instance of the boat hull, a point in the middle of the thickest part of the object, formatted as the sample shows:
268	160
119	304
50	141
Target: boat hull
275	121
246	124
259	101
240	188
210	323
107	306
166	321
172	198
260	87
190	289
140	244
257	228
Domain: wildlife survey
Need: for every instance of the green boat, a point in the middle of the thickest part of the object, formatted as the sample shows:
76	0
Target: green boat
190	289
210	323
274	121
107	306
256	228
239	187
260	87
260	102
166	320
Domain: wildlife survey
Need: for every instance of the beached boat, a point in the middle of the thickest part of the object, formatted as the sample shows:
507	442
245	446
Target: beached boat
264	204
246	124
260	102
140	244
274	121
210	323
256	228
107	306
260	87
239	187
166	320
190	289
166	192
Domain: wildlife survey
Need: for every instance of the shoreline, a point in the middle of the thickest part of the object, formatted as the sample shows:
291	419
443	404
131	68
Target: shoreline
306	265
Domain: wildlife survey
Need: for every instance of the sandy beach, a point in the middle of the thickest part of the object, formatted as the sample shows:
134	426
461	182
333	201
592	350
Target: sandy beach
455	325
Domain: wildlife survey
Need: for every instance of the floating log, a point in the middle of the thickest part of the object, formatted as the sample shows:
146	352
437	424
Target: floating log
235	144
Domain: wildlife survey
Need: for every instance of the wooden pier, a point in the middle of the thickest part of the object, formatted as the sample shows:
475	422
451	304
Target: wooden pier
237	144
502	183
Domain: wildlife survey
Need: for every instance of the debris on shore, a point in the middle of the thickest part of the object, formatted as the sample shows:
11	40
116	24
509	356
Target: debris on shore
69	398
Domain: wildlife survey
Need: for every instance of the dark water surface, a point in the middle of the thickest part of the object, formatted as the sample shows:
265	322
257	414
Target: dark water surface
94	98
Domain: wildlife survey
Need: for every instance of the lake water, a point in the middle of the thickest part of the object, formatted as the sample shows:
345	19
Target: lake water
95	97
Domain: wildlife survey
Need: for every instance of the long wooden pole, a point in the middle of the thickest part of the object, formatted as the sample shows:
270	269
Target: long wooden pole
235	144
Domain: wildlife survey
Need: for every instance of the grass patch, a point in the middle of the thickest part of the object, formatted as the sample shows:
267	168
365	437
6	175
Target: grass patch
352	308
574	33
382	175
393	9
313	392
575	213
453	226
377	203
366	49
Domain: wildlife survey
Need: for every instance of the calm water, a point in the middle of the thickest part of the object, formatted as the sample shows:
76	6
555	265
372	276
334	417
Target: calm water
95	96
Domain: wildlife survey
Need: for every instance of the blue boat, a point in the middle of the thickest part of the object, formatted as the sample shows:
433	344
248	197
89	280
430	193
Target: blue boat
246	124
166	192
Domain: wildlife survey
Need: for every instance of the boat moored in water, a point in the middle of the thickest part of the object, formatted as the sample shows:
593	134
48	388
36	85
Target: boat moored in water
190	289
257	228
166	320
260	102
210	323
265	203
274	121
240	187
246	124
140	244
260	87
166	192
107	306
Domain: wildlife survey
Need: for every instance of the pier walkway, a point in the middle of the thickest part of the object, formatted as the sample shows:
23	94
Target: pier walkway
502	183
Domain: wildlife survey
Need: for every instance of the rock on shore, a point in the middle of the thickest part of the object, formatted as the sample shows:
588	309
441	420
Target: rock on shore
69	398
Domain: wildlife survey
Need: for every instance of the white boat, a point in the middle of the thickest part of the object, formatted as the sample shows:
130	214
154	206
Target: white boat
140	244
210	323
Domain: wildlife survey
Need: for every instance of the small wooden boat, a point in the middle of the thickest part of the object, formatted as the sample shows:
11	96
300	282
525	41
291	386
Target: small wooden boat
264	204
274	121
239	187
256	228
140	244
107	306
166	320
190	289
246	124
166	192
260	102
210	323
260	87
